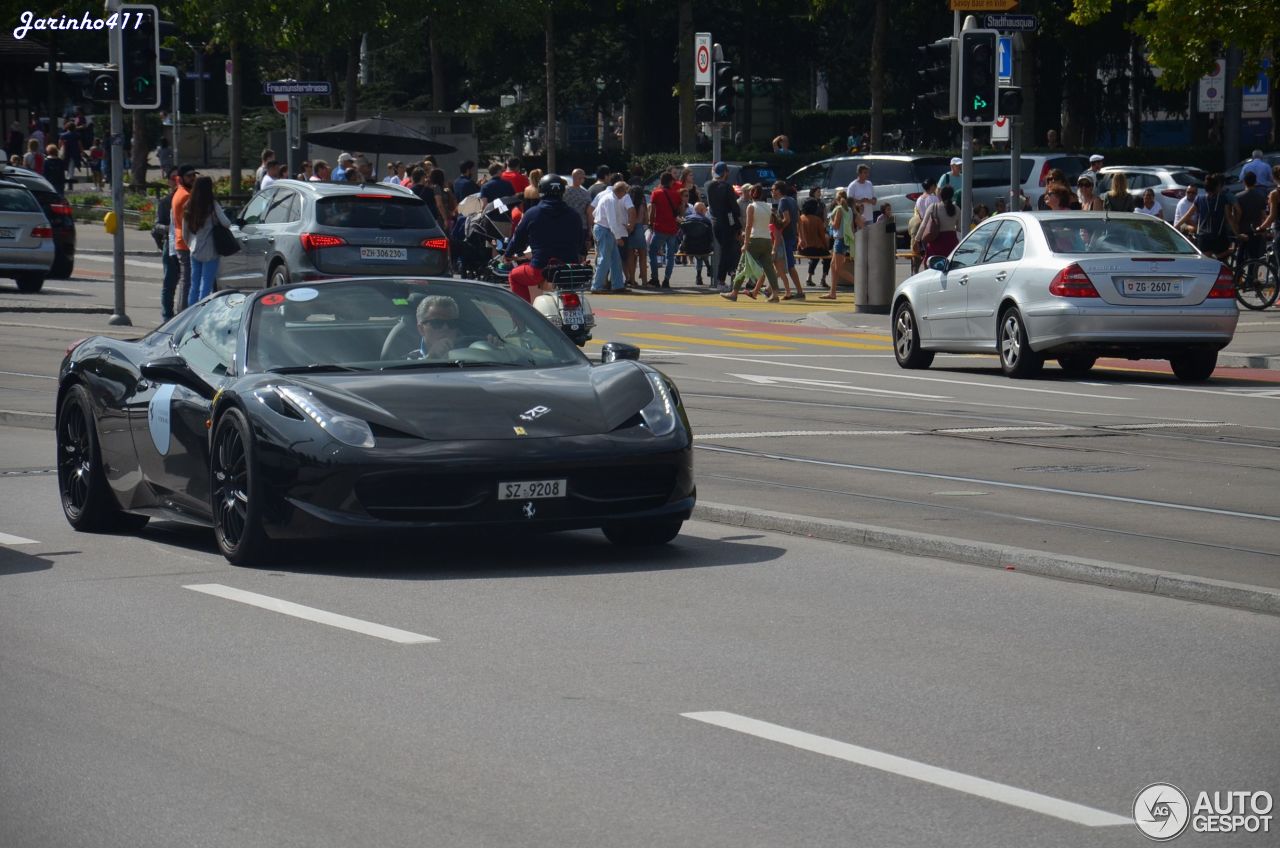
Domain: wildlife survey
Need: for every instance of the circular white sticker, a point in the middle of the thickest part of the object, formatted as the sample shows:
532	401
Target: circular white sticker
159	413
301	295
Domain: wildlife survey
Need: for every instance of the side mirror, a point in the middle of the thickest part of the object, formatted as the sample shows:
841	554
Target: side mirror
174	369
613	351
938	263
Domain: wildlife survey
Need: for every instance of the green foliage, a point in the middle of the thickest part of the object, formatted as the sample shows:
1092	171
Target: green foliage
1184	37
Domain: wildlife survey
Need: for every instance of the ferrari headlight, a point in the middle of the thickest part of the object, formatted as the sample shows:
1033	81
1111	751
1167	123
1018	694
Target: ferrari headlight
660	413
345	428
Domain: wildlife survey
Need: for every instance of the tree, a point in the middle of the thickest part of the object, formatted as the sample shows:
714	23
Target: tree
1185	37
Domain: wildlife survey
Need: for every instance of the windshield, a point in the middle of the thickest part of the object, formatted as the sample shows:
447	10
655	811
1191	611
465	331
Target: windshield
1097	234
372	325
374	212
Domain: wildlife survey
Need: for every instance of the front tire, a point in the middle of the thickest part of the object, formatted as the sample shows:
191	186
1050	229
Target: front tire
236	492
87	500
1194	366
1017	359
1076	364
30	283
906	339
645	533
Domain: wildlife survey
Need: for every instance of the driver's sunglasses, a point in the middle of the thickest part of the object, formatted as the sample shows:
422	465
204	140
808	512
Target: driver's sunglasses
440	323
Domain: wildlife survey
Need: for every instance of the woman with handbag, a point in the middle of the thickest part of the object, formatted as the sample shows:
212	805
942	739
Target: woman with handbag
199	221
940	230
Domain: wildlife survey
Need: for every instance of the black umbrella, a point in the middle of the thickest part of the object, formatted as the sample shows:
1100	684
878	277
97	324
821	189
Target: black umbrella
378	135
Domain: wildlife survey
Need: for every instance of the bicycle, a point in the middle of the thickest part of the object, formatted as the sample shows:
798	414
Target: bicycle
1257	281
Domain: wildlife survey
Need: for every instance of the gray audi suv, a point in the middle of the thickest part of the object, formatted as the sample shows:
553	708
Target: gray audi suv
292	231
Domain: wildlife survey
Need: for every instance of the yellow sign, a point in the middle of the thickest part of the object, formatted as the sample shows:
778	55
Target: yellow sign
983	5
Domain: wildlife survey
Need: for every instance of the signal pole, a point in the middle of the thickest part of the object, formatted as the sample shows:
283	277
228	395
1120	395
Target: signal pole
966	145
118	317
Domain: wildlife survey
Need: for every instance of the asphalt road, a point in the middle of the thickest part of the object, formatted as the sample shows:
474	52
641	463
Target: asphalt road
737	688
733	689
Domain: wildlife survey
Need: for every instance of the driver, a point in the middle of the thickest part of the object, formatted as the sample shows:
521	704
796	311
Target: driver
553	230
438	326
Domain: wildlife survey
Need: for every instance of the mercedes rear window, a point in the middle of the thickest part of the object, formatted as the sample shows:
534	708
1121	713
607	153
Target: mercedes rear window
17	200
1099	234
374	212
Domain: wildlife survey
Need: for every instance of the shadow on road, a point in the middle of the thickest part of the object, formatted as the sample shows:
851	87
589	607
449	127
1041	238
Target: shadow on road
470	555
14	561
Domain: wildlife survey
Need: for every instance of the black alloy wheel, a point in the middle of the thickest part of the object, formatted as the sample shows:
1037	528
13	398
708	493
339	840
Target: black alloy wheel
235	500
87	501
643	533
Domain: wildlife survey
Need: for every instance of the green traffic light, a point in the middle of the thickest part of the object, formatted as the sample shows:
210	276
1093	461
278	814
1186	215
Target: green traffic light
979	103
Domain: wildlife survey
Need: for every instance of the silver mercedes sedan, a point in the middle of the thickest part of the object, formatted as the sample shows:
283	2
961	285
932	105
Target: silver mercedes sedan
1070	286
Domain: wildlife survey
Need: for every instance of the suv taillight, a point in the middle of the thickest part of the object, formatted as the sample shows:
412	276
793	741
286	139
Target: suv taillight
60	209
1044	173
41	232
1225	285
914	196
436	243
1174	192
1072	281
314	241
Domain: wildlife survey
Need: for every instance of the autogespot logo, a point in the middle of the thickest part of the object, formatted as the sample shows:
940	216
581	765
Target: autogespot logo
1161	812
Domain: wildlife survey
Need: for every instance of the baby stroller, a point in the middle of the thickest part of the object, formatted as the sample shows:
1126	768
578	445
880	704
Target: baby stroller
697	244
481	233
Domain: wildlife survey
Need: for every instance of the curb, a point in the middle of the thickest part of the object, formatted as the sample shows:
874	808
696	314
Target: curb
94	251
1095	572
1263	361
78	310
30	420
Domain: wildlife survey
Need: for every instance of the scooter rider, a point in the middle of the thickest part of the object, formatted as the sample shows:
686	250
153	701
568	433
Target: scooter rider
553	230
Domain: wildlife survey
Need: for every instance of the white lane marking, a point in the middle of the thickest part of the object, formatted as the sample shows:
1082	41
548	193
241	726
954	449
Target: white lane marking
355	625
952	431
830	385
6	539
947	380
902	472
137	263
24	374
923	772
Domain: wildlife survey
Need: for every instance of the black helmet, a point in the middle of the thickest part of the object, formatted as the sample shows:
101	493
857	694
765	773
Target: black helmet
551	186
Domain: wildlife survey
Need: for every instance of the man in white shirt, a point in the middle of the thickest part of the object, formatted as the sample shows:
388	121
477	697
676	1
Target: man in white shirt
611	211
862	191
1181	219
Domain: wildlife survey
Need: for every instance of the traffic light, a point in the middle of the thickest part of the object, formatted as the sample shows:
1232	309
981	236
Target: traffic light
139	57
1010	100
704	111
978	84
722	89
937	77
103	88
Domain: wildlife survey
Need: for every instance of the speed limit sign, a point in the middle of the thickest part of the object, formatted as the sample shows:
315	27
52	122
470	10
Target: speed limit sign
702	58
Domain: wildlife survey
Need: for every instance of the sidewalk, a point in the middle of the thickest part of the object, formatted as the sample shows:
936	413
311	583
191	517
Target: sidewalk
1256	343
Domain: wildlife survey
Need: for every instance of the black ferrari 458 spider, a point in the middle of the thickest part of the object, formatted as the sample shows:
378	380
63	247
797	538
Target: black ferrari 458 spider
349	406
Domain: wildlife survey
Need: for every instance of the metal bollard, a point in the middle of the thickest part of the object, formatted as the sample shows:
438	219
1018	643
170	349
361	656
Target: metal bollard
876	267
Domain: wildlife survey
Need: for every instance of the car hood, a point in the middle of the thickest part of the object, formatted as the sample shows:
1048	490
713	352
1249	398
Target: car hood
571	400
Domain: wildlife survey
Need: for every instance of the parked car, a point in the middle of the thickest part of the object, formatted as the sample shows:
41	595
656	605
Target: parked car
26	238
1234	184
293	231
991	175
1168	181
57	210
898	179
740	174
1070	286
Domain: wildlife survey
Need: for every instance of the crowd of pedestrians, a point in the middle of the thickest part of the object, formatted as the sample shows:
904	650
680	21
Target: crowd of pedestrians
60	154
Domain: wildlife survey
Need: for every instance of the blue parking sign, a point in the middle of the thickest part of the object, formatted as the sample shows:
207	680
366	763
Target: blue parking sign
1004	58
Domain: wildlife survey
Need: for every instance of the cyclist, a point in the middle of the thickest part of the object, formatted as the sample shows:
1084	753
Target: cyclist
1217	215
554	232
